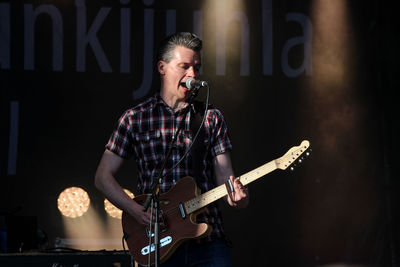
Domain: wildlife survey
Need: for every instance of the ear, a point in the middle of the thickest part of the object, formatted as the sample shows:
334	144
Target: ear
161	67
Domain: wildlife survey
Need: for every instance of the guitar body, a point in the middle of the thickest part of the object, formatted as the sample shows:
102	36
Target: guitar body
178	225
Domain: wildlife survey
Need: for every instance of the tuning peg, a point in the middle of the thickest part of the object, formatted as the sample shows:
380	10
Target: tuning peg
292	168
300	160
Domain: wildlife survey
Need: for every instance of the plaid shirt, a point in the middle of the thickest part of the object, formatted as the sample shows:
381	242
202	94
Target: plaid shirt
146	131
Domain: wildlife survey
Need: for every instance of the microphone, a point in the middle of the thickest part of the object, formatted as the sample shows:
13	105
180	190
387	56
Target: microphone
191	83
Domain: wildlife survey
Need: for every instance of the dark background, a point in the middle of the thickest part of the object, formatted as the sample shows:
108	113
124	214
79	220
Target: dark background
340	206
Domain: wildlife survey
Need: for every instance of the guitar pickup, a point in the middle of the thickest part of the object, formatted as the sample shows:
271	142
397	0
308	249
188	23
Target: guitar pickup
182	211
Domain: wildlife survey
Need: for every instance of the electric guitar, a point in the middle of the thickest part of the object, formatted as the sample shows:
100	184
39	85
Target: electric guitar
180	206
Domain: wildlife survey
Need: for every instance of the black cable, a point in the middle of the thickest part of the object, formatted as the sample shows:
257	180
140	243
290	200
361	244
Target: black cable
195	137
123	243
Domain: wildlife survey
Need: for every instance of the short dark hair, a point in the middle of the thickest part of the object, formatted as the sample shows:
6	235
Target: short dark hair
185	39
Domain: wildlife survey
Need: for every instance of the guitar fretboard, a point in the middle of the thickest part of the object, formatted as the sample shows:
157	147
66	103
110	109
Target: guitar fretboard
220	191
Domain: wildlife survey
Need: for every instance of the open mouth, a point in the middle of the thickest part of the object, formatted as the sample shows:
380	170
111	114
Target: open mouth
183	84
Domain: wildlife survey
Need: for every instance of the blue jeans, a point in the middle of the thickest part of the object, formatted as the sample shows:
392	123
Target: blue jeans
208	254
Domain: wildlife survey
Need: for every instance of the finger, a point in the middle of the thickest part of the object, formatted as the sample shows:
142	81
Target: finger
237	180
242	191
239	184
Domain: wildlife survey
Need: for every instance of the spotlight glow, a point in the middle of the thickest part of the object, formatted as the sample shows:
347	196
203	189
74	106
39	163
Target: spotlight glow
73	202
114	211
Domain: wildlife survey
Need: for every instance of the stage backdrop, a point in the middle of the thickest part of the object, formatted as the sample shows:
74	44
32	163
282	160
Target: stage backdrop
281	72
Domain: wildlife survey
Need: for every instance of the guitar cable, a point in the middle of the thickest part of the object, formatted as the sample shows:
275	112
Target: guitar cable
195	137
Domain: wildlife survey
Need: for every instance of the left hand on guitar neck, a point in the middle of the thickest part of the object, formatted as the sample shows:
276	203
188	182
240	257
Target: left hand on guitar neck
239	198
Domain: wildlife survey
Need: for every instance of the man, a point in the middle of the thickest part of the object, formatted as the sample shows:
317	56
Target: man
146	131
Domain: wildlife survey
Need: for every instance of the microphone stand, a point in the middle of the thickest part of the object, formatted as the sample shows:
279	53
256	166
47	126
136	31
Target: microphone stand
155	187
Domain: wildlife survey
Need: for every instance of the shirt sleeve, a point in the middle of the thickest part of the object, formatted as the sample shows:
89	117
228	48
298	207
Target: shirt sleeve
121	140
221	142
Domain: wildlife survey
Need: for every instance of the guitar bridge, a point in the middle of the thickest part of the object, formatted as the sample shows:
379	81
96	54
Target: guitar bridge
163	242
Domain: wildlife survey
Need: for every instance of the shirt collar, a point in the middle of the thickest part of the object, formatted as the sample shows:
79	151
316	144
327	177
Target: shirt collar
159	101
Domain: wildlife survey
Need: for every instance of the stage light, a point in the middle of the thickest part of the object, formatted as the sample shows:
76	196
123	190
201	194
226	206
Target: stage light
73	202
114	211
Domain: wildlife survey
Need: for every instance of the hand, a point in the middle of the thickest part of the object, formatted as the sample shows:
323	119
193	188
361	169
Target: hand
240	197
142	217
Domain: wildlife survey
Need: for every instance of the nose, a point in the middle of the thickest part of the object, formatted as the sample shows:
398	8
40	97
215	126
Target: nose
191	73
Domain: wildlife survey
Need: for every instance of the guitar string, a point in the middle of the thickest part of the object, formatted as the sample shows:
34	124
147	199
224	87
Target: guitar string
247	178
204	196
217	191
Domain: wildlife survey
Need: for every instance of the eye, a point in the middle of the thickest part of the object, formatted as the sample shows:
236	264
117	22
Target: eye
183	66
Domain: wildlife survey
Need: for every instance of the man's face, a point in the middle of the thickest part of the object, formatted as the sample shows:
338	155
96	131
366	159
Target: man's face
185	64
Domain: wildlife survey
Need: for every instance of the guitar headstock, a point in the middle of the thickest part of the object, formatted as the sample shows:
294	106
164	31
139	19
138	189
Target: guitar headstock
295	154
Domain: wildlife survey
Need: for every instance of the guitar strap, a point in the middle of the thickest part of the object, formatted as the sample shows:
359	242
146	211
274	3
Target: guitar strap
198	148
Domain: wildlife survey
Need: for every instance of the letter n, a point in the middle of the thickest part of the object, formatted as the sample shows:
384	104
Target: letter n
29	36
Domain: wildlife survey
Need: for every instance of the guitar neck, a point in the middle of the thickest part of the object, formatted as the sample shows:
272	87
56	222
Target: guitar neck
207	198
